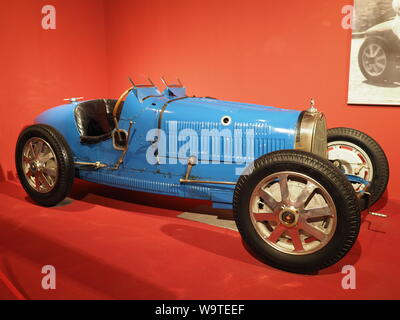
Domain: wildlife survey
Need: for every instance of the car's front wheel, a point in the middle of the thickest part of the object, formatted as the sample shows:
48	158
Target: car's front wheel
44	164
376	62
356	153
296	211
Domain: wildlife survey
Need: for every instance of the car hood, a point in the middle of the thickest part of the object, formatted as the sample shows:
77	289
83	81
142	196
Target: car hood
206	113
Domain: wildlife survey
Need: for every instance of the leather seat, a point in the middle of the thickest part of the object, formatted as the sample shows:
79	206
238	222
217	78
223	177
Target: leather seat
94	120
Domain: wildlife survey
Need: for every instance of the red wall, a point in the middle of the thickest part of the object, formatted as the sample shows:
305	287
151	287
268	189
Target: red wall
278	53
39	68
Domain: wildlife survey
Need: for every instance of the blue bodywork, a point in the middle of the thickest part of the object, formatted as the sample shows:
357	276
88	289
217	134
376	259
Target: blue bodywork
267	128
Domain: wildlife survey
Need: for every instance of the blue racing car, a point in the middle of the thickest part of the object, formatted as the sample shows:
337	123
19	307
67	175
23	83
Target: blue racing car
296	188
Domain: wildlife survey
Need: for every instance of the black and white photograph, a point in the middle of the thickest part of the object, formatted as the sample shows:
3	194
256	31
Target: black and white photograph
375	53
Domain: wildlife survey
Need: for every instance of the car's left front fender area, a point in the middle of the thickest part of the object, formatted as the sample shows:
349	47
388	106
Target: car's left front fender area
62	119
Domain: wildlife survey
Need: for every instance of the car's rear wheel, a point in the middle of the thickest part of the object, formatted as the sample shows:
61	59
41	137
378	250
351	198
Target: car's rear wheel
44	164
296	211
358	154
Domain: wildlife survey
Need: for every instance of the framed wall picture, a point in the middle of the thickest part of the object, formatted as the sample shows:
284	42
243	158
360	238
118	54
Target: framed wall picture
375	53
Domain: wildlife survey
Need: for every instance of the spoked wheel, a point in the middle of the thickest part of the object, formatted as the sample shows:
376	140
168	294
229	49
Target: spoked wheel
39	164
293	213
44	164
296	211
351	159
375	60
356	153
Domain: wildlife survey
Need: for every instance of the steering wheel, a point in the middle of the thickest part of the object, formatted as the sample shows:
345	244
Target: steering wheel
118	106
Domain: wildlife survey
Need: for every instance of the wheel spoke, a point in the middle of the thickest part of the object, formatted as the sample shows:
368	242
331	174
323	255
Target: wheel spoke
38	148
49	155
44	181
382	57
380	65
32	150
268	199
283	184
261	217
305	195
317	213
50	172
296	241
276	234
377	49
313	231
371	69
26	159
37	182
371	52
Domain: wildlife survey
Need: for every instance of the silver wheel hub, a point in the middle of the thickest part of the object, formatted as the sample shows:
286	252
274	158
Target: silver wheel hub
36	166
289	217
39	165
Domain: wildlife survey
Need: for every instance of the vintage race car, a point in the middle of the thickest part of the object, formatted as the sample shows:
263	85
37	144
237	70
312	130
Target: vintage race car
295	209
379	55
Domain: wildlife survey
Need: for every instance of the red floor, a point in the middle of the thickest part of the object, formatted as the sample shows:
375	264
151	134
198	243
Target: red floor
129	245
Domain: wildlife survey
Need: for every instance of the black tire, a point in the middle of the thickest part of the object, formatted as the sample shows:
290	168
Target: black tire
378	158
389	72
334	181
65	168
